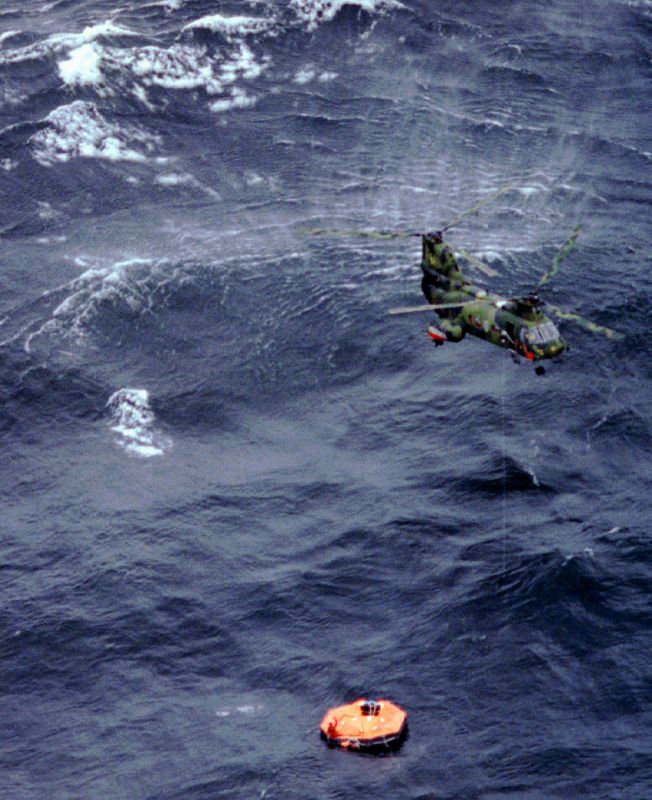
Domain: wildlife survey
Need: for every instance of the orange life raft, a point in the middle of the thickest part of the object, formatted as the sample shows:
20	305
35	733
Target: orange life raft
371	725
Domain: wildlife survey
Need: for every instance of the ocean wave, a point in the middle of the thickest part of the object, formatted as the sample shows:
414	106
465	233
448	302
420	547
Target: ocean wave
79	130
170	179
180	67
89	59
184	67
62	41
70	311
315	12
230	27
133	420
505	476
8	35
82	66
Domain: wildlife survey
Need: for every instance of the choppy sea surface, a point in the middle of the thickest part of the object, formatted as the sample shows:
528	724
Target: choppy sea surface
235	492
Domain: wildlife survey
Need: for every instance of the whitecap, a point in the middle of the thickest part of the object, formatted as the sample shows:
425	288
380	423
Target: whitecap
304	76
528	191
46	210
237	99
488	255
243	64
82	68
78	301
133	421
51	239
184	67
229	26
253	178
8	35
59	42
314	12
178	67
78	130
185	179
247	709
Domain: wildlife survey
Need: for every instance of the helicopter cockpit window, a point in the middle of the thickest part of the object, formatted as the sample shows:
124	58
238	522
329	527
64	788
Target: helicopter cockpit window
542	334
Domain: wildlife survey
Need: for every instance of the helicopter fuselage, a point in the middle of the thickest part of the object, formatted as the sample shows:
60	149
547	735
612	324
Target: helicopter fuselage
515	324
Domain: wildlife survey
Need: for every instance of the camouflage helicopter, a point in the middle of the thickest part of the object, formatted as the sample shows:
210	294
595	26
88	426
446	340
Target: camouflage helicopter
516	323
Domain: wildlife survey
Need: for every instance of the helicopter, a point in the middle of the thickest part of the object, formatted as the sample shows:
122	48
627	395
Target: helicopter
518	324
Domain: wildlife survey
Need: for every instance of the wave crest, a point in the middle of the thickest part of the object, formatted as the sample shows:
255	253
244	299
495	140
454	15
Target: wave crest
133	421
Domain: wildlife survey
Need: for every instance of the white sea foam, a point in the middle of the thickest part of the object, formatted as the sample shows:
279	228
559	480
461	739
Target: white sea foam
78	130
237	99
488	254
230	26
133	421
46	211
243	65
60	42
253	178
304	76
185	67
82	68
178	67
244	709
75	307
7	164
535	188
185	179
51	239
87	62
107	28
314	12
174	179
7	35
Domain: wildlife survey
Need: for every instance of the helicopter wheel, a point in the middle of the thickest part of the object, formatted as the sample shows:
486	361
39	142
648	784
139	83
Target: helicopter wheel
540	370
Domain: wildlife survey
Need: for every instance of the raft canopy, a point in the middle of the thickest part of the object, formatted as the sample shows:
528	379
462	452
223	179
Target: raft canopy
373	725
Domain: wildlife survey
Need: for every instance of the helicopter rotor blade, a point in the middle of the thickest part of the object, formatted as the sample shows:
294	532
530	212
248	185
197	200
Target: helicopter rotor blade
417	309
477	207
563	251
390	234
363	233
476	262
585	323
370	234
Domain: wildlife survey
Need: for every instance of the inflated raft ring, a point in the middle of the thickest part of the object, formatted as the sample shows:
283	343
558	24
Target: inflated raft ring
369	725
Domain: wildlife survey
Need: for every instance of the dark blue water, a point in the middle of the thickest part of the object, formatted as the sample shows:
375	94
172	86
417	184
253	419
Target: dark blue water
235	492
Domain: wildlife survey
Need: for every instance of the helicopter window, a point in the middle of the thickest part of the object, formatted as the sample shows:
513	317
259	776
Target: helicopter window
542	334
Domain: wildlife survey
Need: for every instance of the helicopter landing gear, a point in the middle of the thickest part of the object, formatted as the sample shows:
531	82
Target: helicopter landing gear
540	370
